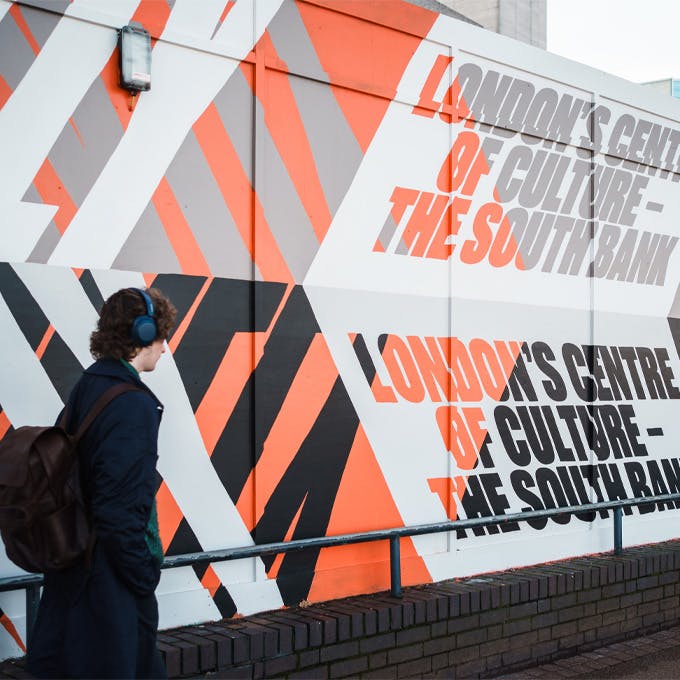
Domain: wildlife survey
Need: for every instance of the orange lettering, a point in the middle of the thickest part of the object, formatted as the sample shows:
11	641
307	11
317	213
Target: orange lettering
433	367
504	245
449	226
445	487
473	252
402	198
464	377
402	370
427	106
423	221
458	161
488	367
461	429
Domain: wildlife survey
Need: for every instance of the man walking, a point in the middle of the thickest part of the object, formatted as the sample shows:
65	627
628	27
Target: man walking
99	618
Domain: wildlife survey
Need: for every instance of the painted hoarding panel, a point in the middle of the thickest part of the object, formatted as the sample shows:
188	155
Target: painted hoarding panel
422	271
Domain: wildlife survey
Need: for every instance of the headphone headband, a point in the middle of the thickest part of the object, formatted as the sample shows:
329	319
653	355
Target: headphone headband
144	329
147	300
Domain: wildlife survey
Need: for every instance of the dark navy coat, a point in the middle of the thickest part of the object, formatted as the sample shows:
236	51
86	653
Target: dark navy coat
100	620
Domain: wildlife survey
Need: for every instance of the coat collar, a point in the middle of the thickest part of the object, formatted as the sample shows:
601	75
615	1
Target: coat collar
112	368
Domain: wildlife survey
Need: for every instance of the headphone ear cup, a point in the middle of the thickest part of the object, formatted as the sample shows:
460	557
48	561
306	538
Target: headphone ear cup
143	330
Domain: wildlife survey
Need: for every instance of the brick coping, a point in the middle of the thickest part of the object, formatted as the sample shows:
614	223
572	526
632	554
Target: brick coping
603	658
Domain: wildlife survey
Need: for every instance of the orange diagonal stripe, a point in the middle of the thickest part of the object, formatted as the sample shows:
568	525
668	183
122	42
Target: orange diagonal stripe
359	52
226	387
5	91
363	503
40	349
4	424
53	192
239	196
278	560
149	278
73	125
179	232
169	515
226	10
211	581
119	98
305	399
15	11
285	125
152	15
242	357
11	629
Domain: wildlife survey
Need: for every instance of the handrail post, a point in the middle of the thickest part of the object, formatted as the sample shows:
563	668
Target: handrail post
395	567
32	601
618	530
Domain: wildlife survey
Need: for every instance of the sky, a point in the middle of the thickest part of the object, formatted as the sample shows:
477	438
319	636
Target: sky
634	39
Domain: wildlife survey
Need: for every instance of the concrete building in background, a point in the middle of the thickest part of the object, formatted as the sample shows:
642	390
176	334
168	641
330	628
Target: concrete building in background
523	20
669	86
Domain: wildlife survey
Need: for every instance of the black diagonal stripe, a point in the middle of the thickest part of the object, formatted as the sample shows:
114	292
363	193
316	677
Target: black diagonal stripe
61	366
159	482
184	540
221	598
364	358
284	352
26	311
182	291
315	473
227	308
240	445
200	569
91	290
224	602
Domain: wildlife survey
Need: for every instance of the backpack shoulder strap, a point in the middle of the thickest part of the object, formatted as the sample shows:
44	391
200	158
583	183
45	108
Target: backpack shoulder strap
101	403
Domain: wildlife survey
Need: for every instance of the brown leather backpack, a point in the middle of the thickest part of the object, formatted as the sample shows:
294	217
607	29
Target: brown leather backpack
43	519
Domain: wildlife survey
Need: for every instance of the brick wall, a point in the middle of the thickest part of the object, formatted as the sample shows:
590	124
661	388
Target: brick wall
475	627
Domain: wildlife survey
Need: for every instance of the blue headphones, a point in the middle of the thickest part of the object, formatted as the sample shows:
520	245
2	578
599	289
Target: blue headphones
144	331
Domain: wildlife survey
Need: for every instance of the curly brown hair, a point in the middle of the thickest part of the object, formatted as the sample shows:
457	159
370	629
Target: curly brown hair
112	337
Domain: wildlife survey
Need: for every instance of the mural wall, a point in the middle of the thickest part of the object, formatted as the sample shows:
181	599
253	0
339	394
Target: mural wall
421	271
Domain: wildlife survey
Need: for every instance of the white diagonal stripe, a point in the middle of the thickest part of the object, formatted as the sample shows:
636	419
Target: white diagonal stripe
26	394
70	60
182	599
4	8
184	82
64	302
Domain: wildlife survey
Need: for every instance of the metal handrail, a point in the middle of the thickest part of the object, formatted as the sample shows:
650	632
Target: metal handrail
32	582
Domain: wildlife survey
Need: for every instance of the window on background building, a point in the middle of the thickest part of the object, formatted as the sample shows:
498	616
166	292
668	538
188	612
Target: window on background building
675	88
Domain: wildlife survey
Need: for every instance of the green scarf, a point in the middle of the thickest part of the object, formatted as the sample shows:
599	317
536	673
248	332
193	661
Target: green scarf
152	536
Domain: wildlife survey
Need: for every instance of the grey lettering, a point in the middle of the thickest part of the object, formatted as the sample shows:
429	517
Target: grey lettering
577	247
609	237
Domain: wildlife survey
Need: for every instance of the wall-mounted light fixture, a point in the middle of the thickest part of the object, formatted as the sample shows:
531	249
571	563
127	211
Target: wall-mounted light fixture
134	59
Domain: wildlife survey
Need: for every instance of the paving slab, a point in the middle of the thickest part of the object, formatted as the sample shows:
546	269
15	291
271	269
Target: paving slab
652	657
